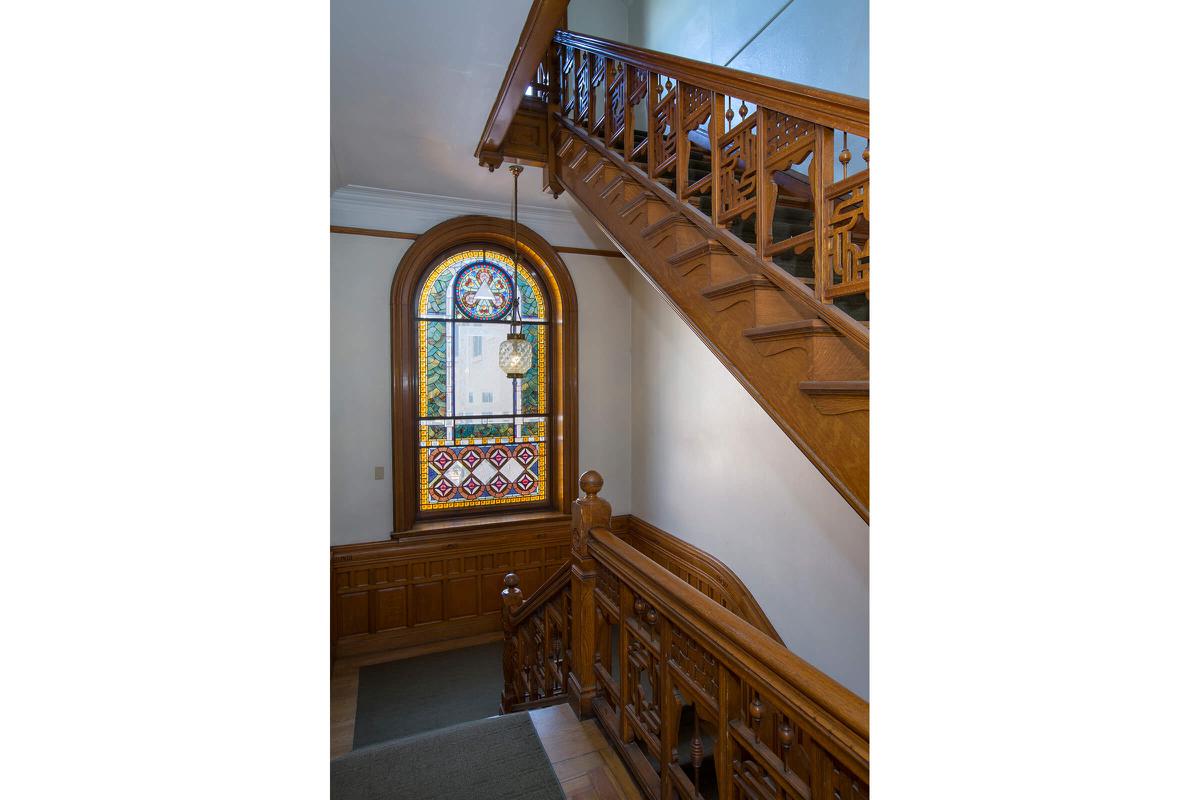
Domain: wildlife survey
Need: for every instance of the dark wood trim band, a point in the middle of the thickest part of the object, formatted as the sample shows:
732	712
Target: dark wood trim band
582	251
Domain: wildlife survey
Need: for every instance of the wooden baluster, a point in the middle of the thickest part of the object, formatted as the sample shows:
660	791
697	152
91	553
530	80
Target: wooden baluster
668	729
820	175
625	680
682	146
716	129
729	699
630	82
608	112
787	737
654	143
844	157
756	713
586	513
510	603
697	748
866	156
762	181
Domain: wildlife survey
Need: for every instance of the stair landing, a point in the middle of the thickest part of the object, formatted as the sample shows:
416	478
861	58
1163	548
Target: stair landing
586	765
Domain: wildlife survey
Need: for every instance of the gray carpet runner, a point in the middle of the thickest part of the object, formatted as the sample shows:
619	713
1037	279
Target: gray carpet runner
496	758
402	698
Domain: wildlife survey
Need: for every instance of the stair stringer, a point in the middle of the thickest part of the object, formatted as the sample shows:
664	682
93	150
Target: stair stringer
775	346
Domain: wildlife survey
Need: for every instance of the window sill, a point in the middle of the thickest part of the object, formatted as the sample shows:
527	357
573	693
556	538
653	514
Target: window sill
463	525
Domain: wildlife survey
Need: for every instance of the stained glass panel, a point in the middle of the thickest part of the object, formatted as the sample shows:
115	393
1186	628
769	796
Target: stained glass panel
433	381
533	385
478	475
482	435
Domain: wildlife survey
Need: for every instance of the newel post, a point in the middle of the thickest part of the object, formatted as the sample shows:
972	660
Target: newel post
510	603
587	512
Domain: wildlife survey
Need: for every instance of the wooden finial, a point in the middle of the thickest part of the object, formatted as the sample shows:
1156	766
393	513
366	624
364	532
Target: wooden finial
591	482
588	512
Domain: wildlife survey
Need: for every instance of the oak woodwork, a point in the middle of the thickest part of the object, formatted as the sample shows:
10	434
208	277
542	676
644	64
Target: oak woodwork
435	586
767	339
563	407
685	688
699	569
544	17
832	109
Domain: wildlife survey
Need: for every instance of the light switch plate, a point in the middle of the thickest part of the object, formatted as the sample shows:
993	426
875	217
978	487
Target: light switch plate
379	473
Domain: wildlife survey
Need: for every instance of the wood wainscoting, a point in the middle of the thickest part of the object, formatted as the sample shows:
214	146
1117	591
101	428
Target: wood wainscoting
442	585
430	587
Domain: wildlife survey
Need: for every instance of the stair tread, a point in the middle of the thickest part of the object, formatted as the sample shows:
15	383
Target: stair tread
781	329
739	284
840	388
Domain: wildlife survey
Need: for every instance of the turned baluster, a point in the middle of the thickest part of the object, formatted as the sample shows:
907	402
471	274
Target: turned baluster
786	738
697	751
756	713
510	602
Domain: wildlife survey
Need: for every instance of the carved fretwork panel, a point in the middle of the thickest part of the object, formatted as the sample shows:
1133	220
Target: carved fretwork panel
847	249
566	65
663	133
616	103
786	140
736	170
646	702
695	663
583	88
596	94
606	585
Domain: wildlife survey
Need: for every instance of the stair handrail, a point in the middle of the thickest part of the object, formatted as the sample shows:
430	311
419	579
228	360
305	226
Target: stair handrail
833	109
816	741
533	667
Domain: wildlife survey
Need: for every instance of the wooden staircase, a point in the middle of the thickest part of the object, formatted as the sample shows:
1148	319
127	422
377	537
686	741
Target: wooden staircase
696	701
763	248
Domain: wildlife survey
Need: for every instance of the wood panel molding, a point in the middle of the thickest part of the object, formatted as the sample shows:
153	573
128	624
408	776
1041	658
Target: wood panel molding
385	234
439	585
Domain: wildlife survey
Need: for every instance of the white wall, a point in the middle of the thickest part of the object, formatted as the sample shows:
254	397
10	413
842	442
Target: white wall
608	19
711	467
361	270
820	43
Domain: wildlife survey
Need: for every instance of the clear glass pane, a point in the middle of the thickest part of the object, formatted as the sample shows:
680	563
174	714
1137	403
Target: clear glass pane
480	387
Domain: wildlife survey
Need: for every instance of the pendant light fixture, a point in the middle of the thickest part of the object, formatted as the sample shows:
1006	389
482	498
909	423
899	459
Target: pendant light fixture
516	352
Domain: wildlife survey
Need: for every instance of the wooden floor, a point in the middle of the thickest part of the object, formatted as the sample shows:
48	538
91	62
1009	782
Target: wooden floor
586	765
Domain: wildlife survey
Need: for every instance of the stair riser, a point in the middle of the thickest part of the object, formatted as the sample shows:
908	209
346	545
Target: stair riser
821	357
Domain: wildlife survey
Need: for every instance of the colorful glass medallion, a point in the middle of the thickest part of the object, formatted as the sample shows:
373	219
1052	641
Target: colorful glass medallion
484	292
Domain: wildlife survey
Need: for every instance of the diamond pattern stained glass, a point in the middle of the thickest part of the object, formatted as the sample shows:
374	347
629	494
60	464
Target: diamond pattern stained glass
482	435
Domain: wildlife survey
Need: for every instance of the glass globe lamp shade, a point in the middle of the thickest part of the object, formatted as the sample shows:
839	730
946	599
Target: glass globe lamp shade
516	355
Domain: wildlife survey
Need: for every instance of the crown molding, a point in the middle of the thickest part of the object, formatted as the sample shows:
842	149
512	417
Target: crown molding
395	210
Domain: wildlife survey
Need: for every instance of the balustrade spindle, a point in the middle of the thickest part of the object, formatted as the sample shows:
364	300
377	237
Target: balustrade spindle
844	157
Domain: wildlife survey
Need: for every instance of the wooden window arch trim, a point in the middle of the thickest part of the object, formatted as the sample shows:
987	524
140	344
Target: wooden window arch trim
563	316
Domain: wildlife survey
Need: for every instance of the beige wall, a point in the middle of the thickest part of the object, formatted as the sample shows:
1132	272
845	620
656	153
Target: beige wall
711	467
361	270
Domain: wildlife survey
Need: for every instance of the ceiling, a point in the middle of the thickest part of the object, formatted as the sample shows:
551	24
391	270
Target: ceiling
411	85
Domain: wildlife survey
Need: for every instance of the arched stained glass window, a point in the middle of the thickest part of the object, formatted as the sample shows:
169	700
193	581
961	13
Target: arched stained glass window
481	435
